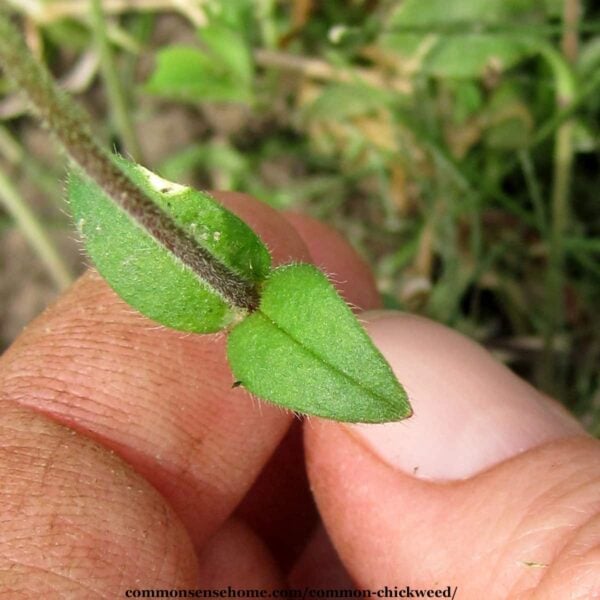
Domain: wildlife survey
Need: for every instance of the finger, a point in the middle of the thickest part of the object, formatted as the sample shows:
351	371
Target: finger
77	522
280	506
490	486
236	557
319	566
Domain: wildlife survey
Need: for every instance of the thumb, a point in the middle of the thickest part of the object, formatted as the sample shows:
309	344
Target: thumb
490	487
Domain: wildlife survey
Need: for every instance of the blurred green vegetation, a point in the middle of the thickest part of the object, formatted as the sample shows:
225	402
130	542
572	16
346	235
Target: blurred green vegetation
456	143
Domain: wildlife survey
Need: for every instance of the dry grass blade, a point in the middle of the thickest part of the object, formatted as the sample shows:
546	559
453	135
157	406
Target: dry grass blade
47	12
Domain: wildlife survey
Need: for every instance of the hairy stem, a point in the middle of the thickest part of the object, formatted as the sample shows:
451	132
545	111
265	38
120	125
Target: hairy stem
71	126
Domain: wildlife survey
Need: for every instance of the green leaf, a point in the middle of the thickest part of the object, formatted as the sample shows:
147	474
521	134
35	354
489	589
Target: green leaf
229	48
149	277
222	71
190	75
472	55
463	38
427	13
304	349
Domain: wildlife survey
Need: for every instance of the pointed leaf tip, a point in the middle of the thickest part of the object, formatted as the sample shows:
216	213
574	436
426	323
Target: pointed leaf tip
304	349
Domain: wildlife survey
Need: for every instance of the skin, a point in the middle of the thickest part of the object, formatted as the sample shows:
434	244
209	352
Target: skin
128	460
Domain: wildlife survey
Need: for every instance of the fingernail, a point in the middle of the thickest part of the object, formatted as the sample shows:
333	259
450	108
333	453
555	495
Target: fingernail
470	411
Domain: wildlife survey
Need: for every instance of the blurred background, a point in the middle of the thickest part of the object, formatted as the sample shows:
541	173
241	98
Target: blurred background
455	143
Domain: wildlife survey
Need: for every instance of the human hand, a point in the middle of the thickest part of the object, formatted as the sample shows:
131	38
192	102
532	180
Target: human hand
91	376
